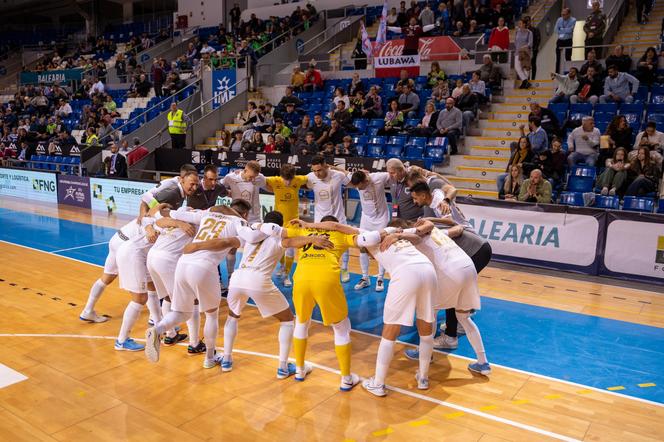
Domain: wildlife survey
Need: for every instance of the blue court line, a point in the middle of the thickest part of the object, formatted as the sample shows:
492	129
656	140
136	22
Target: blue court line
583	349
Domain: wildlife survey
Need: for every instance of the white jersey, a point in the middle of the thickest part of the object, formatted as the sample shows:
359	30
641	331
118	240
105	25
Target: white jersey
148	196
375	214
246	190
259	258
327	195
213	225
438	196
133	228
397	258
172	240
138	238
443	252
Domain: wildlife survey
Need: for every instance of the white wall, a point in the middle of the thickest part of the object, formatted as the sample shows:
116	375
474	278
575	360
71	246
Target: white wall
202	12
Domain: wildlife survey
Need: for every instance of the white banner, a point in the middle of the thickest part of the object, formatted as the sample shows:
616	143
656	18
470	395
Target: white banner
33	186
397	61
554	237
117	196
635	247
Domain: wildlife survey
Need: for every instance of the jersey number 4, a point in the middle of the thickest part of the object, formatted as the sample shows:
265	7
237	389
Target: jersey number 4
211	229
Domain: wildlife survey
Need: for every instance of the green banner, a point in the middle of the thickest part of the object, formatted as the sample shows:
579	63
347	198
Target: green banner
50	77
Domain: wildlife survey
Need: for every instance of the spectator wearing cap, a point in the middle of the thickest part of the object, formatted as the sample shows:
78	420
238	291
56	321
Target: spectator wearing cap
617	87
291	118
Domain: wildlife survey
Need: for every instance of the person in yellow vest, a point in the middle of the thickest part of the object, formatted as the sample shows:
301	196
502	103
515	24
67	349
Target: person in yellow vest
177	127
91	138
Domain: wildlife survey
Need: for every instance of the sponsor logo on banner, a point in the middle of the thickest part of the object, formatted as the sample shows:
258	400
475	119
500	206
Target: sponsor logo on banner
397	61
635	248
117	196
546	236
74	191
34	186
41	149
430	48
223	85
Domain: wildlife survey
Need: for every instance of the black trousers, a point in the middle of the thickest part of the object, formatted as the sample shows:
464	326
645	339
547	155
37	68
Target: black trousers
480	259
640	6
178	141
533	65
595	41
563	43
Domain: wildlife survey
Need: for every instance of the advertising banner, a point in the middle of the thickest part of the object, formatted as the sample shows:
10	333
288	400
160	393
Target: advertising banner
32	186
223	85
50	77
551	237
65	150
391	65
634	246
117	196
431	48
74	191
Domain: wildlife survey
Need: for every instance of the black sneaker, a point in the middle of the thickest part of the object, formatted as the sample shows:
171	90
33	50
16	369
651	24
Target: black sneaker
200	348
179	337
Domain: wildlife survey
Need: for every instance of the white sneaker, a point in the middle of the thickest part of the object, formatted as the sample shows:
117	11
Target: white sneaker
362	284
445	342
376	390
302	372
152	343
422	383
345	276
348	382
288	282
380	285
92	317
460	329
216	360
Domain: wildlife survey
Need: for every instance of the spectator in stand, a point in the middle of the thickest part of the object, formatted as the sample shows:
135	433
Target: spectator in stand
619	59
192	53
280	128
110	105
443	19
441	91
591	60
619	135
513	181
449	124
617	87
490	72
565	30
270	145
411	34
537	38
291	118
392	17
536	189
467	104
343	117
523	43
235	14
373	104
236	144
435	75
653	140
116	164
255	144
459	30
320	129
158	76
206	49
427	126
346	148
645	174
458	90
478	88
522	156
426	17
613	178
552	163
583	143
339	95
640	6
336	133
646	67
64	110
297	79
302	130
250	59
306	147
356	85
313	80
566	86
537	136
280	144
402	15
547	117
590	88
499	41
394	120
328	150
289	97
594	28
409	102
142	87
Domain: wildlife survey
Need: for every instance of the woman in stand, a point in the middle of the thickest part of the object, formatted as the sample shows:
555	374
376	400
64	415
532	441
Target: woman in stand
499	41
614	176
646	174
523	42
394	120
512	187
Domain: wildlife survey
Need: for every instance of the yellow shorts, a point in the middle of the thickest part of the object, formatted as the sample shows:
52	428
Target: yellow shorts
329	296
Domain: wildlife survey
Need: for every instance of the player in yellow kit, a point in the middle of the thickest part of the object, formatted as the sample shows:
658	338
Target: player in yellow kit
317	283
286	188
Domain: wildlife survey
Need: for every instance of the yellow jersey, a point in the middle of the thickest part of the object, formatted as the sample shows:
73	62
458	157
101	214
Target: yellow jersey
286	199
315	264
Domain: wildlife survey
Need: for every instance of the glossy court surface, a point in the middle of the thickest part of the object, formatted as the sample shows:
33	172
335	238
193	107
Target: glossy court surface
572	360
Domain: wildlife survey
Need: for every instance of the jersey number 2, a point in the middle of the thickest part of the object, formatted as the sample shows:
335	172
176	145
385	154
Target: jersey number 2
211	229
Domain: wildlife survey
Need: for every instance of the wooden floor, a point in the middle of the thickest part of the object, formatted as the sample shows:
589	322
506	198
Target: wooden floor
79	388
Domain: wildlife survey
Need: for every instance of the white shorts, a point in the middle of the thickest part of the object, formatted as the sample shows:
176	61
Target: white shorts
111	263
269	301
193	281
411	297
132	268
373	224
161	266
458	287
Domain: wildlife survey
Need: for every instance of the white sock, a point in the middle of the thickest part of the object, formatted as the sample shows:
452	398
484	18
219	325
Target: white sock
426	349
230	332
194	326
131	314
473	335
172	319
95	293
364	264
210	331
285	339
154	307
165	308
381	271
383	359
230	265
344	260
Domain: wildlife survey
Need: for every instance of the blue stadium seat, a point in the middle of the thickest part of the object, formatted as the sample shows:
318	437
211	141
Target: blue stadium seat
414	152
418	141
434	155
361	124
412	122
660	208
636	204
634	108
581	179
377	140
360	139
377	122
609	108
607	202
375	150
397	139
393	150
571	199
581	108
558	107
361	149
372	131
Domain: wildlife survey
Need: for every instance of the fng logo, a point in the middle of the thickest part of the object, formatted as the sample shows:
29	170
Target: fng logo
43	185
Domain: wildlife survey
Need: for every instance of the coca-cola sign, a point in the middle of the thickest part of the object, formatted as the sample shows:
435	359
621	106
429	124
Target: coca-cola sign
430	48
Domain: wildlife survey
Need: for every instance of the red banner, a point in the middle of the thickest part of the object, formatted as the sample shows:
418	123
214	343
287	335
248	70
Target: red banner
431	48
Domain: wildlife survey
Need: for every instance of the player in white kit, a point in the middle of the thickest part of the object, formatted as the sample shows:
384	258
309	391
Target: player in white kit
375	216
196	276
253	279
327	185
161	262
148	201
457	282
245	184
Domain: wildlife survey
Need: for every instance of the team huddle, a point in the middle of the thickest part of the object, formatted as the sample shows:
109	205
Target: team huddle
168	258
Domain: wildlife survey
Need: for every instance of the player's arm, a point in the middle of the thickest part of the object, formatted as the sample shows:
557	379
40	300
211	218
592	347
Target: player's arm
213	244
150	233
327	225
446	221
390	239
450	192
300	241
165	223
252	234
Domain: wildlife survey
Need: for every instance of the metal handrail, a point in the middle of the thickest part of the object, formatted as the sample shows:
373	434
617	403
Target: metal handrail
207	102
32	167
290	32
